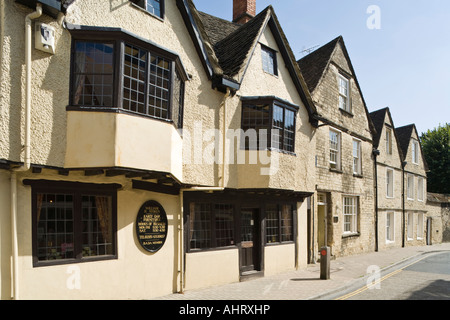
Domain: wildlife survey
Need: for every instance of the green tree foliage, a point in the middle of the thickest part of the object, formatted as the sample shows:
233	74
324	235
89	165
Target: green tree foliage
436	149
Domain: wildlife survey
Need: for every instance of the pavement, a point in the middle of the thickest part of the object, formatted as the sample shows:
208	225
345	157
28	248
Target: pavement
305	284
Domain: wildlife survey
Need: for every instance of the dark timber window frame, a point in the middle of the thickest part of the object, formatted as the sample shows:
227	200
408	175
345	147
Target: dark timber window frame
272	103
77	191
237	202
120	39
269	60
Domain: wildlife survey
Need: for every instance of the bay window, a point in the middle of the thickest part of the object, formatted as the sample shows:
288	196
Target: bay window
268	124
114	71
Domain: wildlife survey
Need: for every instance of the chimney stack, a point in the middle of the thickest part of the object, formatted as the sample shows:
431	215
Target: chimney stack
243	10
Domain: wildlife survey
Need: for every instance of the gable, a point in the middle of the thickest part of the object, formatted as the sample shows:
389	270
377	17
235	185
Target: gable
257	82
333	61
406	136
383	122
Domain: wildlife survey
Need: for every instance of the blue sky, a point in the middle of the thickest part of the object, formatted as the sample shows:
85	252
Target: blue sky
404	65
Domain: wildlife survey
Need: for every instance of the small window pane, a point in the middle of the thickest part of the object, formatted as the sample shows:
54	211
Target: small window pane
272	224
269	61
224	219
93	74
200	226
334	149
277	127
97	234
256	125
55	227
134	74
350	214
289	131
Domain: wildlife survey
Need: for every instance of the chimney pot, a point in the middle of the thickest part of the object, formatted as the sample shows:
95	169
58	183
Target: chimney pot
243	10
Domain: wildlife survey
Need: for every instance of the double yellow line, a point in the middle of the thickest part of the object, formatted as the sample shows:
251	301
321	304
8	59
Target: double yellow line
371	285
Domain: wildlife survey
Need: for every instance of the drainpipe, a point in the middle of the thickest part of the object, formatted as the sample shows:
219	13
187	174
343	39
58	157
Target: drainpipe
375	154
224	131
27	158
403	204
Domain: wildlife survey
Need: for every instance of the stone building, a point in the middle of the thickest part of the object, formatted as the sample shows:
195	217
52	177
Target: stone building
438	206
414	201
389	182
342	216
148	148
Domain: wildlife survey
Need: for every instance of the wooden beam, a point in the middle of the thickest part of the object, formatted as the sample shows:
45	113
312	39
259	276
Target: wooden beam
153	187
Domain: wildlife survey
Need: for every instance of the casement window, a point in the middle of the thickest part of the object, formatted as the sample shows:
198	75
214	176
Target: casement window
73	222
420	231
390	227
410	227
357	159
211	226
279	223
420	189
128	76
268	125
410	187
415	152
344	93
155	7
335	150
269	60
350	214
388	141
389	183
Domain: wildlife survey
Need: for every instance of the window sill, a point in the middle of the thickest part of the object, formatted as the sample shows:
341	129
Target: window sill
350	235
271	149
347	113
145	11
51	263
194	251
274	244
357	175
336	171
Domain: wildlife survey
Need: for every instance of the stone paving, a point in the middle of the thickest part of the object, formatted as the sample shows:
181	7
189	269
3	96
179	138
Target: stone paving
306	284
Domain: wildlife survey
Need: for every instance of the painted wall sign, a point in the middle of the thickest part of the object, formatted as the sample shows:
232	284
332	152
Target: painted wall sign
151	226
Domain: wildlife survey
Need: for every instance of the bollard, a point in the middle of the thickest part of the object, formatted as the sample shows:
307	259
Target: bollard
325	263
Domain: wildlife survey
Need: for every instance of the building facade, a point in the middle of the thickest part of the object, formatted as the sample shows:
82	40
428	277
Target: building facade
148	148
389	182
414	186
344	198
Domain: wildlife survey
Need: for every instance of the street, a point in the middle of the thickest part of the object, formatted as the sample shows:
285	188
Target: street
427	278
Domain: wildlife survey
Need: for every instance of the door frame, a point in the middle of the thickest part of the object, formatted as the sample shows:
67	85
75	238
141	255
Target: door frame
258	241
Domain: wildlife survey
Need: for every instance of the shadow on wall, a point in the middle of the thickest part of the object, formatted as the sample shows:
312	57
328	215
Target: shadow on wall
116	4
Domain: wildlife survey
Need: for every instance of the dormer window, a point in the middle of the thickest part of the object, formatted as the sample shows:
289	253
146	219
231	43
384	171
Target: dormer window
344	93
155	7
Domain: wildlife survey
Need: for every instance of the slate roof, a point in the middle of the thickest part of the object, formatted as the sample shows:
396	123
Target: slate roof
378	121
227	47
234	49
404	137
314	64
217	28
